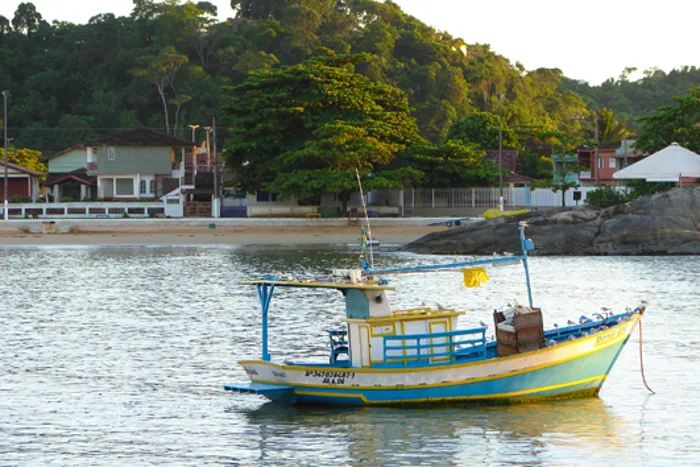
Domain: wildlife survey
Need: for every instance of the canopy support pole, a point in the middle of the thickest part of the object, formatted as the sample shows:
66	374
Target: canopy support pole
526	244
265	292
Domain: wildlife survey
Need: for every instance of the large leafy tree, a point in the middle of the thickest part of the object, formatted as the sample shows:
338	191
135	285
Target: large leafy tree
451	164
302	130
678	123
24	157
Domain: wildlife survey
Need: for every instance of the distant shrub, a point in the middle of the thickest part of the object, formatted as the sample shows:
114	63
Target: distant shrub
20	199
606	196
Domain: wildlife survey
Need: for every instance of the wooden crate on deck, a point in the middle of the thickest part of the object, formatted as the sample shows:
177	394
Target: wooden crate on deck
524	335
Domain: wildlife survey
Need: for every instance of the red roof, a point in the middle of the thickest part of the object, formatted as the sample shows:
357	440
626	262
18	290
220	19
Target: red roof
19	168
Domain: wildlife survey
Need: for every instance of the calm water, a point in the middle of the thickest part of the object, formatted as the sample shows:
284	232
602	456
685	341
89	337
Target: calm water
117	356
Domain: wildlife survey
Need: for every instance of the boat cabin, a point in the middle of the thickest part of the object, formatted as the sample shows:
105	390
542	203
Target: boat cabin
379	337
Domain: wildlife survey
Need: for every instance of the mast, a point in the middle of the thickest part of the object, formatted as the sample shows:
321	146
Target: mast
369	231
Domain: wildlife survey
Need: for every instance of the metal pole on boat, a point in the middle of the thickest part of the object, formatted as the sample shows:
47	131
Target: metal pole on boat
265	295
526	245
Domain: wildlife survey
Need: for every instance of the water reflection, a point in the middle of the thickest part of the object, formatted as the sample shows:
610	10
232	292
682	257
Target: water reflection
516	434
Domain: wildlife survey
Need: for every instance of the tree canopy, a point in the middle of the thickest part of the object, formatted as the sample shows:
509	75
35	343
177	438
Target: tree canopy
302	130
679	123
166	64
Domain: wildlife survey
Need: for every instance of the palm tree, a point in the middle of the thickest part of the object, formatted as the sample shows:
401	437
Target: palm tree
610	129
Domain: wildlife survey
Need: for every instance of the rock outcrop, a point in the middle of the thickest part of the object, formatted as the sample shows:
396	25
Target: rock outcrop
663	224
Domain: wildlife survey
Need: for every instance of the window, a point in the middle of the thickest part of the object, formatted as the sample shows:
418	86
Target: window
111	154
613	163
262	196
124	187
601	163
142	187
152	187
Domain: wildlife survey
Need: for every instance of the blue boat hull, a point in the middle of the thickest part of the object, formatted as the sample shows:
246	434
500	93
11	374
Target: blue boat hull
576	378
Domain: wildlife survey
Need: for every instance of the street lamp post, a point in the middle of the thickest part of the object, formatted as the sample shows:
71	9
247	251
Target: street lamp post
217	210
500	152
194	127
4	95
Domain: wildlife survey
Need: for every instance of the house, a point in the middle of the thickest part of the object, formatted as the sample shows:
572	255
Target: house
136	164
611	158
21	182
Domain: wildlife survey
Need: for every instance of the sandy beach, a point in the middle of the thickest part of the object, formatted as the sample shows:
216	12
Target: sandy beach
204	235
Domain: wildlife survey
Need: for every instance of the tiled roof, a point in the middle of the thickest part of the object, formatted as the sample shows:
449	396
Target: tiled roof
78	175
19	168
65	151
141	136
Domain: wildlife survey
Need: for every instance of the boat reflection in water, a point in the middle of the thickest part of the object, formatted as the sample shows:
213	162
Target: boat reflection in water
528	434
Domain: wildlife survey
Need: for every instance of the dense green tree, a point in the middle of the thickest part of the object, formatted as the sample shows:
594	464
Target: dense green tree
482	130
302	130
451	164
26	19
678	123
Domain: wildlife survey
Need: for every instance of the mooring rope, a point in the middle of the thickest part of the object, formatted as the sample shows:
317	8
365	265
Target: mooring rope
641	359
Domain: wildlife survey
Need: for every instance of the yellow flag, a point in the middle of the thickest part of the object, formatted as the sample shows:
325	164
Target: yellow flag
474	277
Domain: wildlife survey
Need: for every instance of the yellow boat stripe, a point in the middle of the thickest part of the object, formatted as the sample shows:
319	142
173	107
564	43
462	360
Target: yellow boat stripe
436	385
461	365
502	395
445	367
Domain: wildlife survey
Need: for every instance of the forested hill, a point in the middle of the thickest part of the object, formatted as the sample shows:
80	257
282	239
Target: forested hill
165	65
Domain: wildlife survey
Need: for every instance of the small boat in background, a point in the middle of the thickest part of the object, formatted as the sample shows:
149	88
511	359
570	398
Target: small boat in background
385	356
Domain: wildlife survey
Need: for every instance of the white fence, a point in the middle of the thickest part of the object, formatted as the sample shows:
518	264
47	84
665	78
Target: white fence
99	210
488	197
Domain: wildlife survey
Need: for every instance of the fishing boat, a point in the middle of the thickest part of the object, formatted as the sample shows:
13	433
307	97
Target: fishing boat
385	356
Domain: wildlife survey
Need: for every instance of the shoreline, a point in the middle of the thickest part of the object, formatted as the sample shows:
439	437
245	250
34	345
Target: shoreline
146	235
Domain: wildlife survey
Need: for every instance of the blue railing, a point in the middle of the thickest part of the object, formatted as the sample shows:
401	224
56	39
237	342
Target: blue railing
422	349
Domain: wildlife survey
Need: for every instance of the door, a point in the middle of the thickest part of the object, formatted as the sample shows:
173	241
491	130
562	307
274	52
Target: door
365	346
439	326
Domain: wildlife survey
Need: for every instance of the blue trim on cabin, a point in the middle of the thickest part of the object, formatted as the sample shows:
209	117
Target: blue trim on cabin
419	350
356	304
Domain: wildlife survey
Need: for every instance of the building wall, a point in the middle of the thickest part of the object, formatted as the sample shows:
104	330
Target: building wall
68	162
127	160
15	186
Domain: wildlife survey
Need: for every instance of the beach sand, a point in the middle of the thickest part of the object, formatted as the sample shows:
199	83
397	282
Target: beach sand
221	235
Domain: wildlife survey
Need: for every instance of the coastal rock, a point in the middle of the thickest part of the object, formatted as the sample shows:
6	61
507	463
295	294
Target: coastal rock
666	223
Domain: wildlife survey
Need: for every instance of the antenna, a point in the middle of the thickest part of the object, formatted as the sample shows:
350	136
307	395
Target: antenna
369	231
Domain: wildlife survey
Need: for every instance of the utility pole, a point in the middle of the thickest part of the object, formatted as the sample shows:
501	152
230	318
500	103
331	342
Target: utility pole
597	143
500	151
208	130
4	95
216	174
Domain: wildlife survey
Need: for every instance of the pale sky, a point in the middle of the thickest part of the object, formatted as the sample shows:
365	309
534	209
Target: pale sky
592	40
